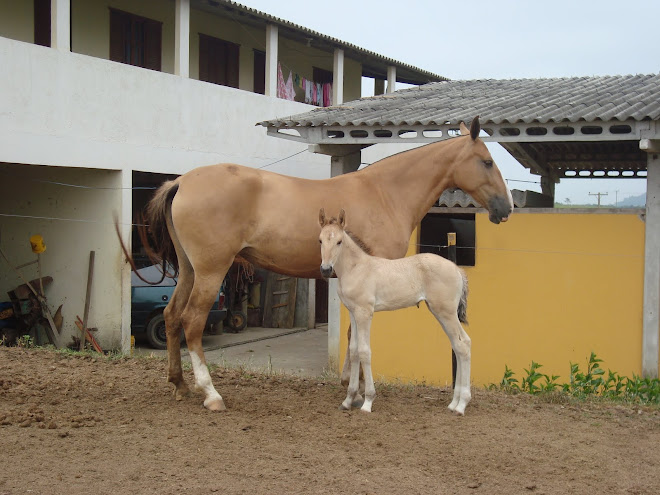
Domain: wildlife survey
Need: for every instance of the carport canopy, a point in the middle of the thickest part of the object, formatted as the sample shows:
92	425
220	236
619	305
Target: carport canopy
576	127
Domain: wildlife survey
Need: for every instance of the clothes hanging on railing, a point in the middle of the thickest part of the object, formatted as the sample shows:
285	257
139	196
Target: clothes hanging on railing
285	89
319	94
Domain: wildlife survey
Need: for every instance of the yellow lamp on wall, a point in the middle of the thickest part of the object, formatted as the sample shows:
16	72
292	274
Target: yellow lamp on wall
37	243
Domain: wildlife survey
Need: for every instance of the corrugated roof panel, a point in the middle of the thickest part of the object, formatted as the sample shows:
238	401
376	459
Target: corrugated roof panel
499	101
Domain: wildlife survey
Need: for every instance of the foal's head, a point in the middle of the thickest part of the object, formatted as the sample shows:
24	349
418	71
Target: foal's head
331	238
475	173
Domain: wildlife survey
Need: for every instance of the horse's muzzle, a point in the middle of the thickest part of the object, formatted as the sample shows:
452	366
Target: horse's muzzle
326	271
499	209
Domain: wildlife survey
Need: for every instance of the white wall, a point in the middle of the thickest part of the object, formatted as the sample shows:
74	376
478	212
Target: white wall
29	191
73	110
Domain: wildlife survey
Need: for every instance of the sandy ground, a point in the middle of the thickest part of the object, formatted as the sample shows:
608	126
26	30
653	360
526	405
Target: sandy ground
75	425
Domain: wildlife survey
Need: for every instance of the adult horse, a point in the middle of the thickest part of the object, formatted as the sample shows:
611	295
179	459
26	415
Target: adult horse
203	219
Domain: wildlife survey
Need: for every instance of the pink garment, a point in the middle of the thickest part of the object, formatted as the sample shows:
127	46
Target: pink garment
327	94
281	86
290	93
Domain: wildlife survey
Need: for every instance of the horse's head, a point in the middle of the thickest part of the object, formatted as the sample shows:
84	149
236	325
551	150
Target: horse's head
331	237
475	173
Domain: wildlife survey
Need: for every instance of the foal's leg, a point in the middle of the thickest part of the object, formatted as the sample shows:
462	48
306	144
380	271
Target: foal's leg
461	345
346	371
363	320
205	290
354	382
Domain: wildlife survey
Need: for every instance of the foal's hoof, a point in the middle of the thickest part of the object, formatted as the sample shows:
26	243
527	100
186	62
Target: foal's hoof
217	405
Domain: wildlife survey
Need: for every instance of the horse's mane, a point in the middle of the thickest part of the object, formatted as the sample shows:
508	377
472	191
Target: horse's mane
354	237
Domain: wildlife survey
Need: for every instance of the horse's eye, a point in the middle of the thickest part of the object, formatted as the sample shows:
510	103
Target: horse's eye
338	243
488	163
320	241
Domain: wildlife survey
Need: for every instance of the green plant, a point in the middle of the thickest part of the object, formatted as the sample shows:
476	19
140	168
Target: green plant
590	383
25	341
509	383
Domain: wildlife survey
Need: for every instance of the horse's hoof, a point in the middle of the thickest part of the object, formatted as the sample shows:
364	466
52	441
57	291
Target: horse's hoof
358	403
344	407
181	392
217	405
365	409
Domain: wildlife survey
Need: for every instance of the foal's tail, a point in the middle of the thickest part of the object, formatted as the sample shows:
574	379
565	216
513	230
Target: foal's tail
462	305
157	218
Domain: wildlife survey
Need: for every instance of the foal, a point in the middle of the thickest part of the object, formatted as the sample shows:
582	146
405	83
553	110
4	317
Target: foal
367	284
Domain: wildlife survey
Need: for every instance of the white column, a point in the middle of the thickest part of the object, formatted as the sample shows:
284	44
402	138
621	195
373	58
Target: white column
60	25
125	219
311	303
391	79
338	165
182	38
651	312
338	77
271	60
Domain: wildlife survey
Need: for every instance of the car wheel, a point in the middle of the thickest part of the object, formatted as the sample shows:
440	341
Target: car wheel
237	321
156	334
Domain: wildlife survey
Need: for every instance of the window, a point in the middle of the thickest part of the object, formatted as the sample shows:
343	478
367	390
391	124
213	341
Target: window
42	22
433	236
260	72
135	40
321	75
218	61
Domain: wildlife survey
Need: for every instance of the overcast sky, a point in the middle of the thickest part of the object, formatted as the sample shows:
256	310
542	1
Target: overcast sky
479	39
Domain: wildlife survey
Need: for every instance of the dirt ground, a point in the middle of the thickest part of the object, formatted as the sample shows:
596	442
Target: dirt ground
76	425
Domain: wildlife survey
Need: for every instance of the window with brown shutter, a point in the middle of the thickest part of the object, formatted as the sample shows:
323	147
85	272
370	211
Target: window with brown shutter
218	61
135	40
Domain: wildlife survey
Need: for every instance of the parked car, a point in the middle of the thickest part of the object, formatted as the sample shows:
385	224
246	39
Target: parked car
149	301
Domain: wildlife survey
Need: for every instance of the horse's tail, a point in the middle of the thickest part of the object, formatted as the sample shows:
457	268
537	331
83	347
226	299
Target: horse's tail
157	218
462	305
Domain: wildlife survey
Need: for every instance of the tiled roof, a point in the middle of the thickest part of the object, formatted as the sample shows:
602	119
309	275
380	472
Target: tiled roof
571	99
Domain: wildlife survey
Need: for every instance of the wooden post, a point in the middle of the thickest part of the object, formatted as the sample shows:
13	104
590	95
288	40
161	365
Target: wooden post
90	274
451	255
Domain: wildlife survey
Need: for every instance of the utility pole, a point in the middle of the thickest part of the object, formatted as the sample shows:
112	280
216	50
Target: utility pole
616	198
599	194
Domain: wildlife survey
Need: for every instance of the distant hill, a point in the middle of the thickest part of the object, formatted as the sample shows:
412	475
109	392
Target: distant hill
633	201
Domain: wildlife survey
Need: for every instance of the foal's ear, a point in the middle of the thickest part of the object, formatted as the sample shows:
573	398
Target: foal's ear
464	130
342	218
475	127
322	217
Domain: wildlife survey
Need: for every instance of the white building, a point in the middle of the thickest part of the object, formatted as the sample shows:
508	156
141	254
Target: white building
79	131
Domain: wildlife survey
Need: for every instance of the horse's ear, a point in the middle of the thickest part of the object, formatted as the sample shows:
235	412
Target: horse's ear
322	217
464	130
342	218
475	128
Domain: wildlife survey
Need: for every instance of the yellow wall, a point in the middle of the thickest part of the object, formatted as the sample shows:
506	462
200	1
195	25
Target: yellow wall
548	287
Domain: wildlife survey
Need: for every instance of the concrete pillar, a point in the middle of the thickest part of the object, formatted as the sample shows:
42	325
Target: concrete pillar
271	60
548	186
391	79
182	38
311	303
651	320
379	86
338	77
339	165
125	220
60	25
